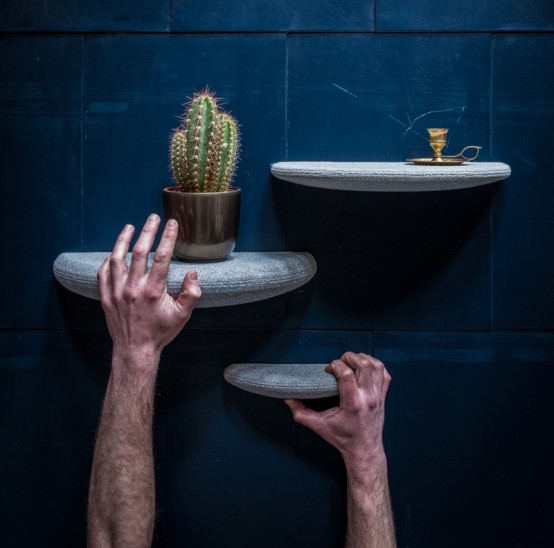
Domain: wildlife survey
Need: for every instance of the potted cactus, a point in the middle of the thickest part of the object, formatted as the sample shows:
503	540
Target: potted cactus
204	155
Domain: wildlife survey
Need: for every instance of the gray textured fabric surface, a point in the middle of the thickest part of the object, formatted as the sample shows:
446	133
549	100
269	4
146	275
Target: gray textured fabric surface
243	278
283	380
390	176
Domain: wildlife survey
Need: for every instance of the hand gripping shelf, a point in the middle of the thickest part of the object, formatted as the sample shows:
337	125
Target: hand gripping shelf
243	278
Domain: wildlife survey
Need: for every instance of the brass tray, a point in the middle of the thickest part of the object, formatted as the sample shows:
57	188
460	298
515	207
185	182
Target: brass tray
437	161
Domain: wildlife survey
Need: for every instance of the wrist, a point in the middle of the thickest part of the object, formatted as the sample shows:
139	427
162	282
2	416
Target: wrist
366	466
142	361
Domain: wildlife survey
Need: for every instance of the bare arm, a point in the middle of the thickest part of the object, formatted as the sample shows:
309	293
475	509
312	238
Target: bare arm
142	319
355	428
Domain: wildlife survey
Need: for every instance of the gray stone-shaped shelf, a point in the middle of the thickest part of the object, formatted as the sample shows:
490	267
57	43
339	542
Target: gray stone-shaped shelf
243	278
283	380
390	176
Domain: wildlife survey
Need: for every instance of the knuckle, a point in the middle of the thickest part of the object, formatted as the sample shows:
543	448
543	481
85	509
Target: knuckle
297	415
356	407
378	364
161	256
130	294
348	375
169	230
151	225
372	403
152	293
139	252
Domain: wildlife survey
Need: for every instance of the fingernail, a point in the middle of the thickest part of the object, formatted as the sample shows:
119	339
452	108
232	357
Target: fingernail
153	217
193	275
172	223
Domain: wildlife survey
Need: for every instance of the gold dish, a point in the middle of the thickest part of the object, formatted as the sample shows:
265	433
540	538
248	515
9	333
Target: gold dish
444	161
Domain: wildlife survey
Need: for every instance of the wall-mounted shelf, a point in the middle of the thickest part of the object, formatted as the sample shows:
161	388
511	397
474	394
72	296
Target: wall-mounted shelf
390	176
243	278
283	380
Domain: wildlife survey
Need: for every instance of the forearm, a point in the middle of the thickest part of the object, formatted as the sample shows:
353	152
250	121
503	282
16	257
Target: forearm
122	494
369	513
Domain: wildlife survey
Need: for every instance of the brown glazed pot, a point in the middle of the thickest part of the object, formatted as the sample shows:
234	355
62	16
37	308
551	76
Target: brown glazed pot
208	222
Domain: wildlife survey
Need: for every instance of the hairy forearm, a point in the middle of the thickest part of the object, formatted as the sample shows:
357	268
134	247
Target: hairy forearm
122	494
370	522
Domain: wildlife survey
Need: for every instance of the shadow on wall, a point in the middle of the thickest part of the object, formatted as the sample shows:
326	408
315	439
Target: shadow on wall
381	248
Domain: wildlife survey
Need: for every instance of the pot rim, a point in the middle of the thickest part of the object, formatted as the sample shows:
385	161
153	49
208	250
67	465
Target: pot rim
175	189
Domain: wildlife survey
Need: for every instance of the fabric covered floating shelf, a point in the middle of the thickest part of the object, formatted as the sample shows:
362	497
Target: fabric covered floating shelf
286	380
390	176
243	278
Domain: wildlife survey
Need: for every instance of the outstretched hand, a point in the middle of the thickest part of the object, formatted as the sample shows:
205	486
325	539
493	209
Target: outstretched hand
142	317
355	426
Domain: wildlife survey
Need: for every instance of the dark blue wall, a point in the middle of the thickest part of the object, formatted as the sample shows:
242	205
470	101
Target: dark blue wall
454	291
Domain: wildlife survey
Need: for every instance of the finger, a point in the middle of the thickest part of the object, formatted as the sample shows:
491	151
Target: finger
103	276
190	294
158	273
303	415
121	245
362	364
386	382
378	375
142	247
346	384
118	259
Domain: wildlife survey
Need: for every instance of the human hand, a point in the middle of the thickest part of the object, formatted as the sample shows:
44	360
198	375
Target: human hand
355	427
142	317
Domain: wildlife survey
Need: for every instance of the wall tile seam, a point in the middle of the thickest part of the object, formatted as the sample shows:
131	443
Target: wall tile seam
82	136
49	330
465	31
547	331
491	200
94	33
461	332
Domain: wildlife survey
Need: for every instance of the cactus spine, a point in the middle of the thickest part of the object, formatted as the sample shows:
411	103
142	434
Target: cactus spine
204	152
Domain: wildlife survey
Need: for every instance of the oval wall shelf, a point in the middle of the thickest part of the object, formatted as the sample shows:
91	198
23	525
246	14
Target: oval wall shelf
390	176
283	380
243	278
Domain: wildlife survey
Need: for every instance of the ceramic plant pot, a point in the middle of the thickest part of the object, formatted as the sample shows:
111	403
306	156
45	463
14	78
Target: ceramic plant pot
208	222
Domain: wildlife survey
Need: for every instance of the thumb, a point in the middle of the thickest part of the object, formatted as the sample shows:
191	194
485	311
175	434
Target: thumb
303	415
190	293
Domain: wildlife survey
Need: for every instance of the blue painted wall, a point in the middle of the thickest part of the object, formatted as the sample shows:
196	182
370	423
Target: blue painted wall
454	291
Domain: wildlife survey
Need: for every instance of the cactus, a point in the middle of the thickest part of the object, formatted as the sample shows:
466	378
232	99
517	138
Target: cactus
204	151
227	152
